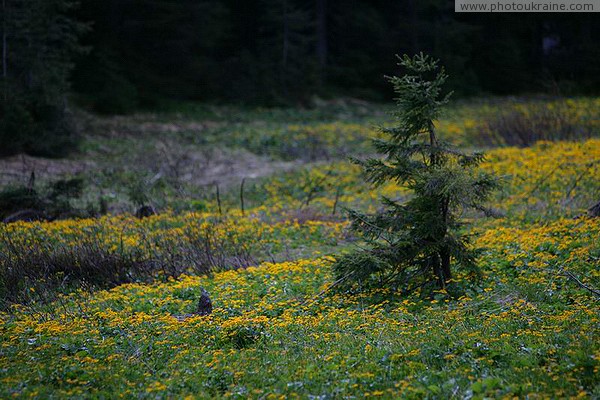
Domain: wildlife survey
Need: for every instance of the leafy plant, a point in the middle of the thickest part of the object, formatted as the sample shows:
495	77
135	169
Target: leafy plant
523	126
411	242
53	201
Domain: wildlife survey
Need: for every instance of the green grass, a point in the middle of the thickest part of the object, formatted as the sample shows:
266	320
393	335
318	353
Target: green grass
273	333
527	329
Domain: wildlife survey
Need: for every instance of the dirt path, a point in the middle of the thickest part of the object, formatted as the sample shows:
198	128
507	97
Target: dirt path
146	146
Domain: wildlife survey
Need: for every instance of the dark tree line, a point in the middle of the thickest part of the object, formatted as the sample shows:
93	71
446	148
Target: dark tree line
39	41
140	52
283	51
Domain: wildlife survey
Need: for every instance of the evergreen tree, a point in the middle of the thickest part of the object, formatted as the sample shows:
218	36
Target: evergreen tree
284	51
39	41
276	65
144	51
413	243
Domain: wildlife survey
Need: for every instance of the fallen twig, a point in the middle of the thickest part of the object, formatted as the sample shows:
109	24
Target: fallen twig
583	285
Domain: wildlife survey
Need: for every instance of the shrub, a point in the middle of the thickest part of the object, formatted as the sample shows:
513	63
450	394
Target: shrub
523	126
51	202
40	270
35	259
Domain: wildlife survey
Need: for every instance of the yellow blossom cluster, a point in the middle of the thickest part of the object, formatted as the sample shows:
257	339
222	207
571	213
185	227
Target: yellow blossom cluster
125	234
547	180
277	330
528	329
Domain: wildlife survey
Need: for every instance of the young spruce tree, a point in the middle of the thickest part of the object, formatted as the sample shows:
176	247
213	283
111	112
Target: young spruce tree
418	241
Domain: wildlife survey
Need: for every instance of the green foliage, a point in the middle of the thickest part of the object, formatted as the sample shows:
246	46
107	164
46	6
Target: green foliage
138	191
18	198
516	125
107	90
412	241
52	201
244	336
278	51
39	39
170	49
112	250
262	336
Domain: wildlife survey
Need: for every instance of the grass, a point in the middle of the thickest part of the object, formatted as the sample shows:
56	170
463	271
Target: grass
39	258
175	158
527	329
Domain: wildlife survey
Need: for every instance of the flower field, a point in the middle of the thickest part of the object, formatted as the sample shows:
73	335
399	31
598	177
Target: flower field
530	328
527	331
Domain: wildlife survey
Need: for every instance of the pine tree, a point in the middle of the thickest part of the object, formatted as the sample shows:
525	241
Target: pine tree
39	40
414	243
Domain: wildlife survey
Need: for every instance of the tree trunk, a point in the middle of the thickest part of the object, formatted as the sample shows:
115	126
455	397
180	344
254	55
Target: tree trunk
446	272
441	268
432	143
437	271
322	38
4	50
285	48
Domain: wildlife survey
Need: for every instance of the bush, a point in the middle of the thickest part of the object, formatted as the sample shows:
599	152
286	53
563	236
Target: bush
523	126
107	90
32	124
53	201
46	263
18	198
48	267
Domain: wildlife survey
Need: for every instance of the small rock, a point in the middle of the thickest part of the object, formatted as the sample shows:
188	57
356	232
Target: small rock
145	211
204	308
204	304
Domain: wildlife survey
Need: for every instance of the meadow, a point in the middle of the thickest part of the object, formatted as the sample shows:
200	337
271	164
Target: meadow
89	304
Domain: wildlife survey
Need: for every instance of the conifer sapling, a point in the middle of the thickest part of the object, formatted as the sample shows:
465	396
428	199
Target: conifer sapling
418	241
